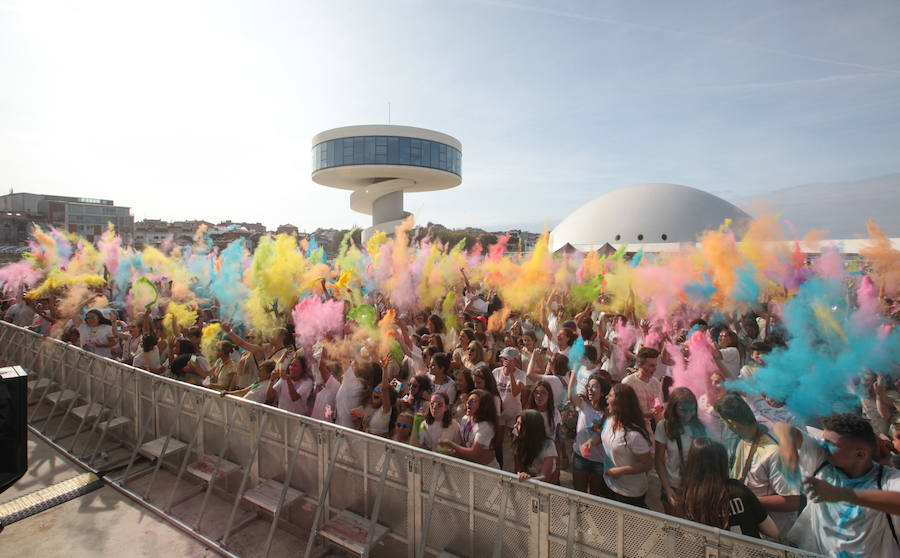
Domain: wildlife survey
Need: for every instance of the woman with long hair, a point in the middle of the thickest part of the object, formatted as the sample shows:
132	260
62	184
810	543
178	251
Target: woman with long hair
708	496
439	374
378	412
419	394
587	450
474	356
95	333
726	354
541	400
674	434
292	391
626	444
535	454
479	428
485	379
464	386
439	423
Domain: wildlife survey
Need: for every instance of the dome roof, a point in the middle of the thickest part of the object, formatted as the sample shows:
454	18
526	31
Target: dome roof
644	214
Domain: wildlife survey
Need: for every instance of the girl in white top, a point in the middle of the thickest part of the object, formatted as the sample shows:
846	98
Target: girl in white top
534	452
626	445
465	383
587	450
440	424
292	392
254	354
727	356
474	356
378	412
674	434
439	376
326	389
258	390
478	431
541	400
95	333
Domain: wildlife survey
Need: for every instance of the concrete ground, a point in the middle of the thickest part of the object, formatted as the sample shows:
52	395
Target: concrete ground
102	522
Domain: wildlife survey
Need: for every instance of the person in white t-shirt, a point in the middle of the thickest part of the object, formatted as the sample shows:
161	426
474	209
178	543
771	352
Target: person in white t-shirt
587	449
439	424
555	372
95	333
673	436
325	390
857	523
351	393
626	445
727	356
645	386
292	392
535	454
510	382
259	389
148	357
479	426
439	374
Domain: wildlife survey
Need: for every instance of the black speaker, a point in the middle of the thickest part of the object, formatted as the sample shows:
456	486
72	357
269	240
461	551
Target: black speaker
13	421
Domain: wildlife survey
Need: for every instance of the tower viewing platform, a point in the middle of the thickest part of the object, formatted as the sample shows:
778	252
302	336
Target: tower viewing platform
381	162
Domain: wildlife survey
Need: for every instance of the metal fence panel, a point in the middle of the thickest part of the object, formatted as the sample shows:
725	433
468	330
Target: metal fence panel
431	503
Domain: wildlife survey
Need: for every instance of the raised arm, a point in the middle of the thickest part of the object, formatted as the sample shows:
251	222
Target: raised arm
573	397
535	370
257	350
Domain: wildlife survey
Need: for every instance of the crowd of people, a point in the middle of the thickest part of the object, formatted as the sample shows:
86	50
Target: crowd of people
756	389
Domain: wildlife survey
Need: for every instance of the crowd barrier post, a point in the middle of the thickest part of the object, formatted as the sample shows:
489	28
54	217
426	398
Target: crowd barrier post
240	493
173	428
229	426
116	407
83	381
336	439
187	454
285	486
373	522
92	400
145	421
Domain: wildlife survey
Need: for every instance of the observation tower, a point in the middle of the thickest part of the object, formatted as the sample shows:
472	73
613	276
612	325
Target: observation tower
381	162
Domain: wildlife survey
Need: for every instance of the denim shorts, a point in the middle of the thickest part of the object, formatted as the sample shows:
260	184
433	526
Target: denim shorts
586	465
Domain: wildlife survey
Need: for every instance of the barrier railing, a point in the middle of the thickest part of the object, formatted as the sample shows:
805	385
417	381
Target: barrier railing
317	479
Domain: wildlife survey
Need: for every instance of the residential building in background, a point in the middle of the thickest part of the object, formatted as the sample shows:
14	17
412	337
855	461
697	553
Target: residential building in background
154	232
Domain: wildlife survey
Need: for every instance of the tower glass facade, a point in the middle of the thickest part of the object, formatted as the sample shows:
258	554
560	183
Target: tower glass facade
386	150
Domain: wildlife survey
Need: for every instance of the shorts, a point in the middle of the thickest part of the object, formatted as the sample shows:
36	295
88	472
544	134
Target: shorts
508	417
586	465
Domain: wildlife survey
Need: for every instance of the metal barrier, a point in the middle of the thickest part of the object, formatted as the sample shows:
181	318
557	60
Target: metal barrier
318	479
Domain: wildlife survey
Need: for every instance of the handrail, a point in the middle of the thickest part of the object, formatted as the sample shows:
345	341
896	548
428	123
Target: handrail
547	519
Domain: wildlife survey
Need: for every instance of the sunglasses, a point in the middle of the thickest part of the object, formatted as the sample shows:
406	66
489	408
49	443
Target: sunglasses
403	425
377	390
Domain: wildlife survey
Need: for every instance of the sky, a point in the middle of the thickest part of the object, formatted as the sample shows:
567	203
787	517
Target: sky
206	110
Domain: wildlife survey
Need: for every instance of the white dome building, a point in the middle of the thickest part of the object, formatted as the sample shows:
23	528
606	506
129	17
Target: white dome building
645	214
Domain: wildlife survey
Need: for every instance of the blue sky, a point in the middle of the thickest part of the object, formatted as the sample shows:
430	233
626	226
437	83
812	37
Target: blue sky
206	110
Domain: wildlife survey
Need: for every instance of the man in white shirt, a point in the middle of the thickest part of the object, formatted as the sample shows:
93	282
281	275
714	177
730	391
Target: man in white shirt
754	461
645	386
510	381
842	528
